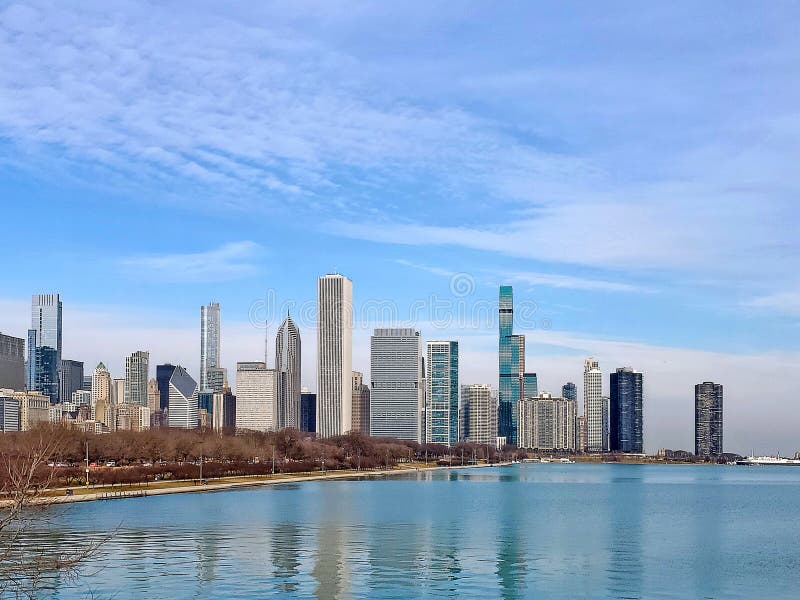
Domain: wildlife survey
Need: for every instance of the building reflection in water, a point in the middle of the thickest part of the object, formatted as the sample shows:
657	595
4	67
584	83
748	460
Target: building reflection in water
511	568
624	572
285	556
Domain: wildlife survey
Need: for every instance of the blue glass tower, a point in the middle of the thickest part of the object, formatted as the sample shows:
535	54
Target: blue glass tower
442	393
569	391
625	412
512	367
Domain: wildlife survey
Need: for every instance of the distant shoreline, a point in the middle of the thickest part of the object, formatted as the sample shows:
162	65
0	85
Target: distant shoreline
81	494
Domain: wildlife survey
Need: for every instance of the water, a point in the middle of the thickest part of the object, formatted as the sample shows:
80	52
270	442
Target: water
524	531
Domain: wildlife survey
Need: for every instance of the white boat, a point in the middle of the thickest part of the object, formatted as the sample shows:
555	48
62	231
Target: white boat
566	461
758	461
544	460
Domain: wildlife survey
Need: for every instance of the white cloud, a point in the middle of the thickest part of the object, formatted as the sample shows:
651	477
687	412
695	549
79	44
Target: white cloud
787	303
230	261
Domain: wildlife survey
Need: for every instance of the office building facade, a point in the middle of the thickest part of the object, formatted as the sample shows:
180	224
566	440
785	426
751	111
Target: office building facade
182	409
334	355
441	392
361	402
569	391
12	362
287	373
708	419
9	413
70	378
210	339
137	374
396	392
308	412
255	396
593	406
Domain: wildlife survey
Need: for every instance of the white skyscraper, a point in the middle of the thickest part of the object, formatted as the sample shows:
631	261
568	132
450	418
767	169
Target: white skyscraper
255	396
136	375
101	401
593	406
287	373
209	342
397	388
183	411
334	355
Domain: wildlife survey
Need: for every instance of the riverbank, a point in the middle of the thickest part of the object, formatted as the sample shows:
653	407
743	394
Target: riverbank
84	494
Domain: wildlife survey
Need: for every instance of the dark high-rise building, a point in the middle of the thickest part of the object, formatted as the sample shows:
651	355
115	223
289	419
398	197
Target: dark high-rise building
12	362
70	379
87	383
163	375
308	412
708	419
625	412
569	391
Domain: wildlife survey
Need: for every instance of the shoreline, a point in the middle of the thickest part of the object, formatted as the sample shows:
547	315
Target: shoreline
144	492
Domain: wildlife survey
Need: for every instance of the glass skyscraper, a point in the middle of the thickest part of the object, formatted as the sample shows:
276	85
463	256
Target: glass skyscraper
512	367
441	398
569	391
625	412
44	345
209	343
530	385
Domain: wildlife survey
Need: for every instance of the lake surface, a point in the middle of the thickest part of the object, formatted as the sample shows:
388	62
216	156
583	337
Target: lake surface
523	531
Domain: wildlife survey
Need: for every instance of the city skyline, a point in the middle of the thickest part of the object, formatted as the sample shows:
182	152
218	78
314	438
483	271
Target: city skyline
528	382
650	214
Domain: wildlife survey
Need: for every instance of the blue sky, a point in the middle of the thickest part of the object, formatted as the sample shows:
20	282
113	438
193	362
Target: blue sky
630	170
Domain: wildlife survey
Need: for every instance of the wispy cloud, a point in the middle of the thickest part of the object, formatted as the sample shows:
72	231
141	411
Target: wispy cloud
554	280
230	261
787	303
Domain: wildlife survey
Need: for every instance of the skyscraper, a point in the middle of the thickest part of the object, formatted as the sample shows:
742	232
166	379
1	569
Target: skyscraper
334	355
45	334
163	375
308	411
441	392
512	367
209	342
9	413
183	408
70	378
593	405
43	364
478	414
548	423
12	362
137	372
255	396
530	385
287	373
396	393
569	391
101	395
625	412
361	401
224	410
708	419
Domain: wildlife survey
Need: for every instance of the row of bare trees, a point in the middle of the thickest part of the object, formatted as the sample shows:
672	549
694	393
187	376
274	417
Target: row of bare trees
157	454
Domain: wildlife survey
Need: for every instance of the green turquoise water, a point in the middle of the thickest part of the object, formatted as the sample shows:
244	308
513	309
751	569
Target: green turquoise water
523	531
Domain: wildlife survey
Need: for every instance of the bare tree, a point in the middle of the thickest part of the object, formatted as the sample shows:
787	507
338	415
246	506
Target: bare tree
26	559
